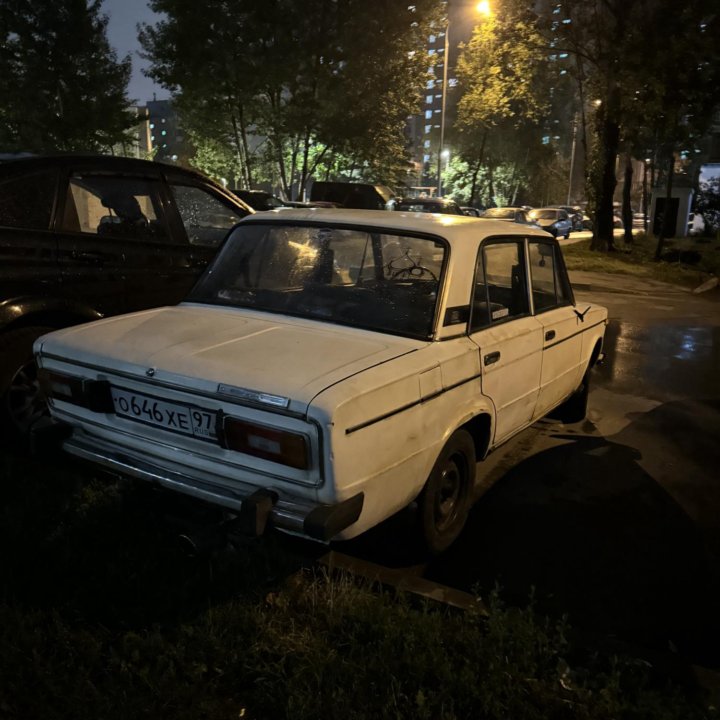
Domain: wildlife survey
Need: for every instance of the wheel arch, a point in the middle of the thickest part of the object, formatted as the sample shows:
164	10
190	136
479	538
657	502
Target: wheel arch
22	312
480	428
595	356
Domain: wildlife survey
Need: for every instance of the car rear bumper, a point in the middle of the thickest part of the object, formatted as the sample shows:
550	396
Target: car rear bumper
296	515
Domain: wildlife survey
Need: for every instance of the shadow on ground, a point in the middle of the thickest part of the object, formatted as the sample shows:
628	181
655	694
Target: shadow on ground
601	540
591	534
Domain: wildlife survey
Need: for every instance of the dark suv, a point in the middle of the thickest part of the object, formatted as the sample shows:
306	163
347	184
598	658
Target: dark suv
84	237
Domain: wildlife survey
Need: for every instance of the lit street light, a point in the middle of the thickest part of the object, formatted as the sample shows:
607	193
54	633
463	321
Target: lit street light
482	8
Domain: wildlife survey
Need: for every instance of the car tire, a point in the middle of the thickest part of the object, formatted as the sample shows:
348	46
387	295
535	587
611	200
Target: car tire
574	409
445	500
21	403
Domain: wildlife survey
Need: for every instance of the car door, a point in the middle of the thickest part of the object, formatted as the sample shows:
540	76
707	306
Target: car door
554	309
203	217
28	250
509	338
115	240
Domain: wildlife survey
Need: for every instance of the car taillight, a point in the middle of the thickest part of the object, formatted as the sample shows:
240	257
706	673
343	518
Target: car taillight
280	446
91	394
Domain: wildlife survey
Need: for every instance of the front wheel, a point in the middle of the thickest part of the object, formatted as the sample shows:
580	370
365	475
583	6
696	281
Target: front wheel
444	502
21	402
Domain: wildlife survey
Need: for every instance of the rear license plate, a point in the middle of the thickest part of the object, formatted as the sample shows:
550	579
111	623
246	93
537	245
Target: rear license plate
184	419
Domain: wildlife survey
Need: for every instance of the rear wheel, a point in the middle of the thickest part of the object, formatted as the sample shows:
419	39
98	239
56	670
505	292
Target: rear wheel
21	402
445	500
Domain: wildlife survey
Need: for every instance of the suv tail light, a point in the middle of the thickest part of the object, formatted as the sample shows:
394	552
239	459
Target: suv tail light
280	446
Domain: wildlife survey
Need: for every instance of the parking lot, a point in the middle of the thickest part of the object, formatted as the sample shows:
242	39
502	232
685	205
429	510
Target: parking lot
612	521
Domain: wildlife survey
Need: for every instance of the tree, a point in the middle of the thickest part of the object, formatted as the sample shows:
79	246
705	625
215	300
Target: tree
502	73
66	85
649	66
297	76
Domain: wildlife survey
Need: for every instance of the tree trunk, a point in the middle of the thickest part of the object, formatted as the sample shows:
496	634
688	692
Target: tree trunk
627	214
604	179
665	229
473	186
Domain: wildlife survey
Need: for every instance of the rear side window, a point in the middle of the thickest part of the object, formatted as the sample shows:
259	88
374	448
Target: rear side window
124	207
27	201
549	287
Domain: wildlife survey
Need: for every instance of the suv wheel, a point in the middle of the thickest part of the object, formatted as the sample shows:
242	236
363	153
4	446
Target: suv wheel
21	403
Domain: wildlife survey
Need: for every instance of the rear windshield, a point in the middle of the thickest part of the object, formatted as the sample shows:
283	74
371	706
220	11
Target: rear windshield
362	278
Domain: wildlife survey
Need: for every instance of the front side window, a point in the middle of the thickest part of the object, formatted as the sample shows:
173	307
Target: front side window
500	291
206	218
27	201
364	278
113	206
548	287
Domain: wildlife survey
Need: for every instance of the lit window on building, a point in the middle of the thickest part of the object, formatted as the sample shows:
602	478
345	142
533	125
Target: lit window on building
428	114
430	84
426	144
546	140
452	82
431	39
429	99
426	158
164	132
428	128
152	126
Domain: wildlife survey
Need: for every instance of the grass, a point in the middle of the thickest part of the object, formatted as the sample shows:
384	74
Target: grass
101	617
638	260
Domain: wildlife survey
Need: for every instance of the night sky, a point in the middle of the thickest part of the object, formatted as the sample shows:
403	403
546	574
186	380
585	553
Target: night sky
124	16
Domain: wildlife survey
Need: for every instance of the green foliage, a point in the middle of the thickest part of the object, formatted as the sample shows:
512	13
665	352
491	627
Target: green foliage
101	617
63	86
652	68
300	77
504	78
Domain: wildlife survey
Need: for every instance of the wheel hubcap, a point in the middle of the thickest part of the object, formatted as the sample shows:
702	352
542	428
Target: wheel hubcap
25	404
448	495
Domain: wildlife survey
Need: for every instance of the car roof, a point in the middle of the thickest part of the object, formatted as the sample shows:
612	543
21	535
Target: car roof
115	162
452	227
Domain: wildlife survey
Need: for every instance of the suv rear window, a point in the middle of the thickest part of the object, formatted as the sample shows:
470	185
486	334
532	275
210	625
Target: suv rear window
27	201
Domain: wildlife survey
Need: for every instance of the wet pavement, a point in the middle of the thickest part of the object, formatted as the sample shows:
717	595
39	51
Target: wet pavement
614	521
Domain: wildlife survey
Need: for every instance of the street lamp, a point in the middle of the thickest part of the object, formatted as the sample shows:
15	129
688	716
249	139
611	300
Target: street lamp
482	8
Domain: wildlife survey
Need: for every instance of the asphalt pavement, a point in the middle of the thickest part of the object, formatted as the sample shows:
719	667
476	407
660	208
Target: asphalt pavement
613	521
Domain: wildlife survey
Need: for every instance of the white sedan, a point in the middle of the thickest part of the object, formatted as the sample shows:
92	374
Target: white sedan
332	367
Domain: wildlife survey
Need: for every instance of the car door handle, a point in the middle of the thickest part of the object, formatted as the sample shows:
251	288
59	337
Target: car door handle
491	358
550	335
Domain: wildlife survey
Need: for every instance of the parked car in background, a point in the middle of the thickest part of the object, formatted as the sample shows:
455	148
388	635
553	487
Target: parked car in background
82	237
360	196
262	200
576	216
509	214
471	211
426	205
331	368
553	220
